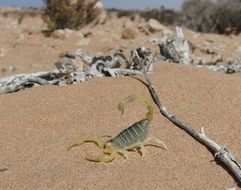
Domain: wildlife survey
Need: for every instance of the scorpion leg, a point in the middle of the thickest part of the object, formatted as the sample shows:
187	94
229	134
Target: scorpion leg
109	155
157	140
142	144
87	139
143	150
138	145
125	154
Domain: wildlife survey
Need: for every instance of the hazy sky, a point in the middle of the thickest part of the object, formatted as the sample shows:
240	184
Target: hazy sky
120	4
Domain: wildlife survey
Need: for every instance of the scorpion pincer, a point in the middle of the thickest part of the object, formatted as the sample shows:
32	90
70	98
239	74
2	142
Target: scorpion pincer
132	138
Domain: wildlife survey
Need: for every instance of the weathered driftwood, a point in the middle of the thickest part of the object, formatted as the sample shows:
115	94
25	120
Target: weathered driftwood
18	82
230	68
211	61
84	56
176	48
145	54
220	151
73	71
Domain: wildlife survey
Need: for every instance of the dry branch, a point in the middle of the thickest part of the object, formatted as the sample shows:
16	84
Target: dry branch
72	71
220	151
230	68
176	48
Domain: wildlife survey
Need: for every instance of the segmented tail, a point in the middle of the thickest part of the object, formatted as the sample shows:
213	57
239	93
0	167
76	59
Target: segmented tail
145	99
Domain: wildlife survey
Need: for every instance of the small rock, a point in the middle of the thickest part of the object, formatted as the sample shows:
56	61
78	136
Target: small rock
80	34
61	34
101	17
3	52
83	42
155	26
58	34
99	6
238	49
12	68
68	31
129	33
20	38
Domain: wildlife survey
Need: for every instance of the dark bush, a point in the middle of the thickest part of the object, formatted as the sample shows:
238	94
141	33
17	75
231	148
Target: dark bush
196	14
227	16
60	14
209	16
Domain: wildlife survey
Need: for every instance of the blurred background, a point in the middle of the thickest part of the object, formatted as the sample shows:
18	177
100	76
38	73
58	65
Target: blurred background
209	16
123	4
33	33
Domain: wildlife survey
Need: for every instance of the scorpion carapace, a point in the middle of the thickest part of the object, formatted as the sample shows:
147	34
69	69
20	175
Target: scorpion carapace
132	138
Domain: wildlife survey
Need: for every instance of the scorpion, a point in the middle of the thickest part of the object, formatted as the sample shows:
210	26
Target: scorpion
132	138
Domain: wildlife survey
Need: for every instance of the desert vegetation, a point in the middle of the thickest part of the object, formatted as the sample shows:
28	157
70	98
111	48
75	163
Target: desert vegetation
222	16
61	14
207	16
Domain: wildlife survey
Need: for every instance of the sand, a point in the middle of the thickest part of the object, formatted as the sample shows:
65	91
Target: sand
37	125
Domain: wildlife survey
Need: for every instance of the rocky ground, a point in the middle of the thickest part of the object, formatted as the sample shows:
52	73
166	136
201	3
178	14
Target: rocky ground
25	48
38	124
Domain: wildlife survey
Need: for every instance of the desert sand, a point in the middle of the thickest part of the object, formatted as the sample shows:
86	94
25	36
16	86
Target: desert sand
38	124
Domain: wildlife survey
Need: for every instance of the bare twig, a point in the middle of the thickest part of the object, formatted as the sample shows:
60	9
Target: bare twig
207	62
222	68
230	68
18	82
120	72
220	151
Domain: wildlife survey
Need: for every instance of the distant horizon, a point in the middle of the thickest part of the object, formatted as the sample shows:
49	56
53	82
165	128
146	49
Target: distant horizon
108	4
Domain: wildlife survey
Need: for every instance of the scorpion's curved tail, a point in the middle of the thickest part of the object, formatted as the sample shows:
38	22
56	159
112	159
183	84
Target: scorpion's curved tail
145	99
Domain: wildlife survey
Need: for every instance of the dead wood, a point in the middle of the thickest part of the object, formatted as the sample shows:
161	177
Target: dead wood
230	68
73	70
221	152
175	48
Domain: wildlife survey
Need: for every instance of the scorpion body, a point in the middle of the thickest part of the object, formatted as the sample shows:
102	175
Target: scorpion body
131	138
131	135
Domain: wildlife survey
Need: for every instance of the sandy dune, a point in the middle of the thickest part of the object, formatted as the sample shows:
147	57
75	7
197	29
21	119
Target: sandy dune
38	124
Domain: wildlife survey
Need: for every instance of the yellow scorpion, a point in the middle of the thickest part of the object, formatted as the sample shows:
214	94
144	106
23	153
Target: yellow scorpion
132	138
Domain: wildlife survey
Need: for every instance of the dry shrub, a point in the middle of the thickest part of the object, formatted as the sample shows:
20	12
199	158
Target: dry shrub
209	16
227	16
61	14
220	16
